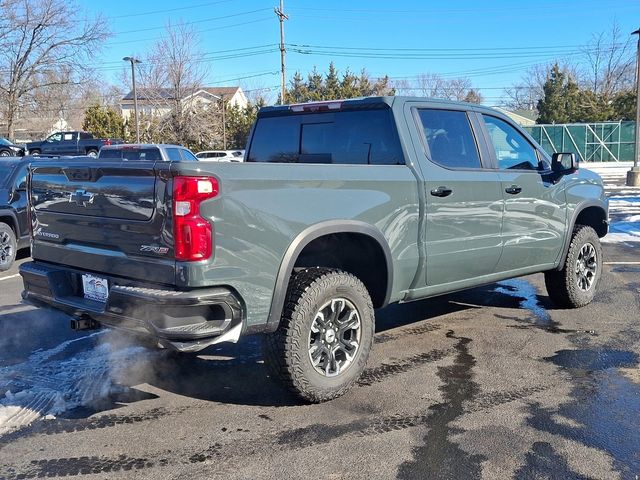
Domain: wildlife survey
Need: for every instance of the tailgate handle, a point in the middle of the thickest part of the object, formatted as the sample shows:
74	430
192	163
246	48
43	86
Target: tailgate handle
81	174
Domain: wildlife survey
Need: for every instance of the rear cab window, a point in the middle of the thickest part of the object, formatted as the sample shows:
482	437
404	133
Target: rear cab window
358	137
132	154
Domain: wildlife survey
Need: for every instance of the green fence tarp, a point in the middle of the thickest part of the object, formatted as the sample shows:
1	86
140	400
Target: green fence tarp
591	142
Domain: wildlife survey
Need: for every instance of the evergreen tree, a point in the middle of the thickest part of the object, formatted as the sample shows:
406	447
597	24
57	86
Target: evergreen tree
552	106
103	122
624	106
332	86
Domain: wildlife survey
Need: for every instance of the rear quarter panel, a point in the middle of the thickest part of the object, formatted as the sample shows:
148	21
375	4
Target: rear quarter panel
263	207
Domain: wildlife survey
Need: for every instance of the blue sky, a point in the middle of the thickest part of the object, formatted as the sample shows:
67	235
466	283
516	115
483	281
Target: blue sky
491	42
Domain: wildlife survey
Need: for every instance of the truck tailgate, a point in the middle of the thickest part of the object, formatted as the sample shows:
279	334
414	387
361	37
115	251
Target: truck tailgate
106	217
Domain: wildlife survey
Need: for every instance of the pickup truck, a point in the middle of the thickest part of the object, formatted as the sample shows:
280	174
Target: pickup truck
69	143
14	225
340	208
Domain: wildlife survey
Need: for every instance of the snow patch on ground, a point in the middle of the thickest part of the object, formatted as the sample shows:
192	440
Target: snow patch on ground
527	293
625	220
54	381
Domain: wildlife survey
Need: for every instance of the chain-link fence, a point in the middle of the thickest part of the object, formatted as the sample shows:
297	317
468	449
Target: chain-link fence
591	142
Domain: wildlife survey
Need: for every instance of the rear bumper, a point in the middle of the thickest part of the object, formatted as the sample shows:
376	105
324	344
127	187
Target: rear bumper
181	320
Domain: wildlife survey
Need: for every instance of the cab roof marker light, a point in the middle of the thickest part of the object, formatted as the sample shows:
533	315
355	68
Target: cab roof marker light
315	106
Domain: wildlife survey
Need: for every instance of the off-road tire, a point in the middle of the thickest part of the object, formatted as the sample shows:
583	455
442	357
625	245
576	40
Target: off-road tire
562	285
8	246
287	349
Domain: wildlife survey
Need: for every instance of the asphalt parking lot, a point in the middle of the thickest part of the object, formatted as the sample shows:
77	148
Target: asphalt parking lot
494	382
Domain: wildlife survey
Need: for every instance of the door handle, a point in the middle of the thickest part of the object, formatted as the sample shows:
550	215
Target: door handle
441	192
513	189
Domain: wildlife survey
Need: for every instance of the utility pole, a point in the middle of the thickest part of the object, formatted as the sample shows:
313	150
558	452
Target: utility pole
633	175
133	61
224	123
282	17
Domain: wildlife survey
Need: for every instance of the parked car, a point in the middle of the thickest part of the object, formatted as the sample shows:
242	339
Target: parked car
70	143
14	228
341	207
152	151
221	155
9	149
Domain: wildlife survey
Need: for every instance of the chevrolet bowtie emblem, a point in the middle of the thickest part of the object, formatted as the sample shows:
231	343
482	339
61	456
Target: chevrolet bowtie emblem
81	197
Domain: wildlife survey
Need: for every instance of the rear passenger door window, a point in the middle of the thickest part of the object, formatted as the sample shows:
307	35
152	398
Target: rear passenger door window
450	139
512	149
174	154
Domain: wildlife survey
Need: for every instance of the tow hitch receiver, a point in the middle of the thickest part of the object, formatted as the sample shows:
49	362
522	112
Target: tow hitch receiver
84	323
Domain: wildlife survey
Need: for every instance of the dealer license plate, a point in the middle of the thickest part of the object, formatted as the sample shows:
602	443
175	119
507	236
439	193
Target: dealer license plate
95	288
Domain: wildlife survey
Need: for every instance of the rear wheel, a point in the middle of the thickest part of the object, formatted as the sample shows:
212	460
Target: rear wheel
322	344
34	153
575	285
5	153
8	247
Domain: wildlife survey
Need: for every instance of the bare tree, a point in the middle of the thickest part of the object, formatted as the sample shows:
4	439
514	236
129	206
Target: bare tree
610	63
435	86
525	94
40	42
171	73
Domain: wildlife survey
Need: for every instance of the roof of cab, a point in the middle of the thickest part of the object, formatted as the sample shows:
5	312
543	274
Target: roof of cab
123	146
364	102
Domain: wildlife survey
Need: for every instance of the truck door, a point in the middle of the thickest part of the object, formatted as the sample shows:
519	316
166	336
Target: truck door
69	144
51	145
535	207
463	199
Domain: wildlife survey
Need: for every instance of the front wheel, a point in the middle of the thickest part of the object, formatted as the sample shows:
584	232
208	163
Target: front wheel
575	285
8	247
325	335
92	153
5	153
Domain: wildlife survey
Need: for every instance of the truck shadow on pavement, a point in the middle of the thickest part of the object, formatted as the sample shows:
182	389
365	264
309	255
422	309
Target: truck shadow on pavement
237	374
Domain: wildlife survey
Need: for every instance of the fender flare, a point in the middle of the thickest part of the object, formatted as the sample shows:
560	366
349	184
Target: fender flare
307	236
6	213
579	209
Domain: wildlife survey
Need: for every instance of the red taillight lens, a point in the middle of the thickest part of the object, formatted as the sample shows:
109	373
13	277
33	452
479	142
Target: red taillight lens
193	239
107	141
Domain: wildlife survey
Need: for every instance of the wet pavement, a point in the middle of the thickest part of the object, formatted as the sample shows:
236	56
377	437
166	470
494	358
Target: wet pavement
495	382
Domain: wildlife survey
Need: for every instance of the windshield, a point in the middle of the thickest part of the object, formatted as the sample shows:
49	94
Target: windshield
4	141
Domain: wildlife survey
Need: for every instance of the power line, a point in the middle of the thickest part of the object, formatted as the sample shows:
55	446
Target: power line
223	27
153	12
195	22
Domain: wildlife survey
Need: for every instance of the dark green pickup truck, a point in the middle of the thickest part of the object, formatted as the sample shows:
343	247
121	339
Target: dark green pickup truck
341	207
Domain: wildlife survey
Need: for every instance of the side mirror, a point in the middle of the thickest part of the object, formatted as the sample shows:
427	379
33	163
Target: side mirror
564	163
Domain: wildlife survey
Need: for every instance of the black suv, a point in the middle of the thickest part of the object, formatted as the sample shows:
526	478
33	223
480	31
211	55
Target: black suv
14	228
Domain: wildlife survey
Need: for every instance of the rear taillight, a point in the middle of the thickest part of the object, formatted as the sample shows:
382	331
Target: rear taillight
107	141
193	239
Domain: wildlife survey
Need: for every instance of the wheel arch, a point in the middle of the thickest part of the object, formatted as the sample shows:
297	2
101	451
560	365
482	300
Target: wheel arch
591	213
8	217
320	231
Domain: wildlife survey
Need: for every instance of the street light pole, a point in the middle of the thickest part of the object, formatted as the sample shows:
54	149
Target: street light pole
133	61
633	175
224	120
